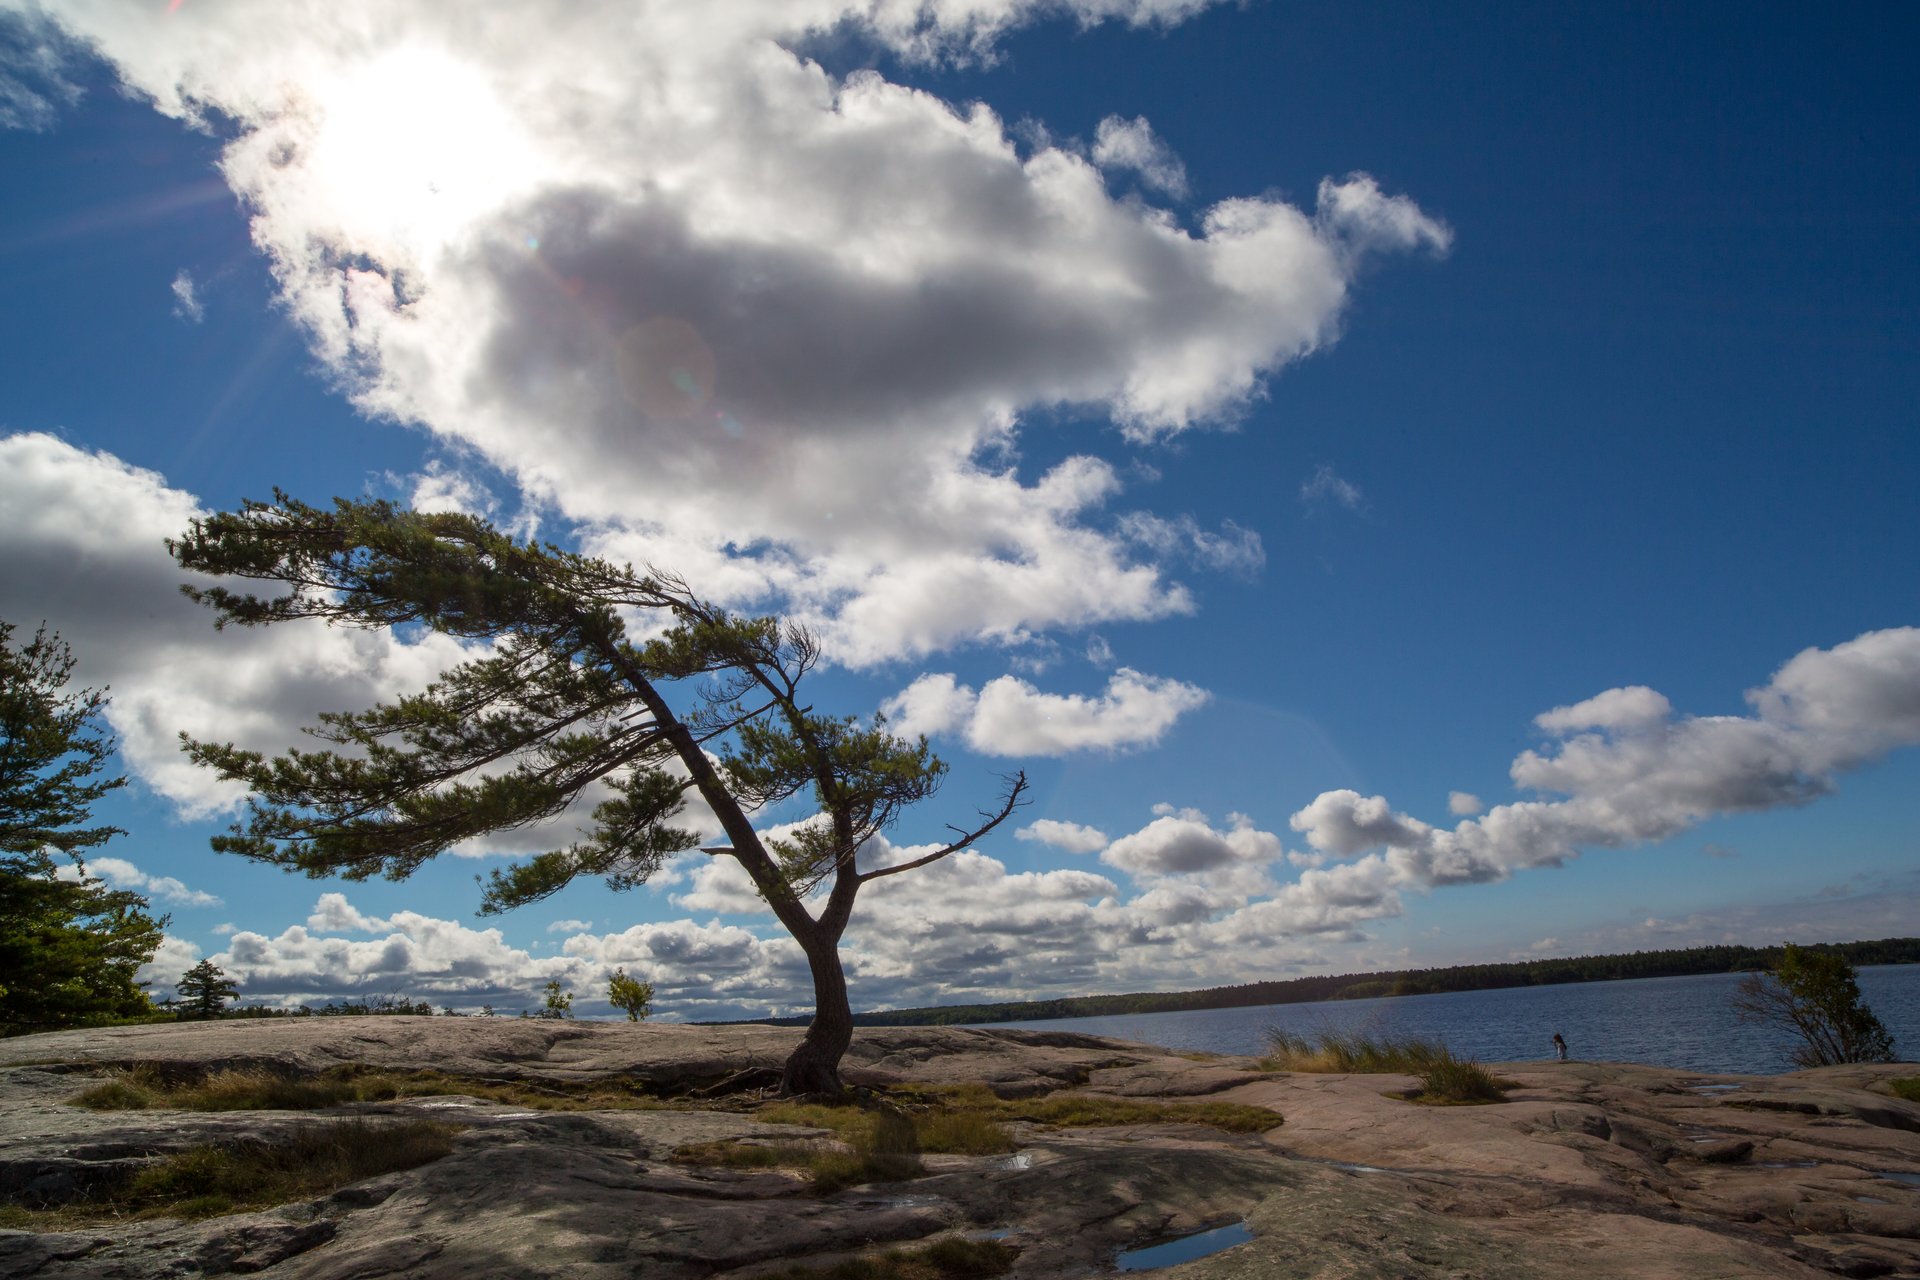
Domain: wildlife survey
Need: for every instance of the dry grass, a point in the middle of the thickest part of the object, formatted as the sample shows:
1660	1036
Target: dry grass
251	1173
1091	1110
875	1146
1445	1080
1330	1051
948	1259
144	1086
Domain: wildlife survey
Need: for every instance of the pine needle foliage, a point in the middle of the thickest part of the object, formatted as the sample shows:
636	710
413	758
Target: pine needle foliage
558	698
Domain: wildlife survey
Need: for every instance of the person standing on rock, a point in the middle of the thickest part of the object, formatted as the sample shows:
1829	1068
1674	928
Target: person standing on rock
1559	1046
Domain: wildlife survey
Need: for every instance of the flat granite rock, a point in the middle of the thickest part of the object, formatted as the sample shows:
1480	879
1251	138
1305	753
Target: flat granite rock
1591	1170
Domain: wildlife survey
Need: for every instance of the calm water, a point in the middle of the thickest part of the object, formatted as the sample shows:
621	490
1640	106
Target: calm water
1674	1022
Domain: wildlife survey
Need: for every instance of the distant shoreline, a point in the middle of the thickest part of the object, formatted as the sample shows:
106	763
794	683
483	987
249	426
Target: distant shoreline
1687	962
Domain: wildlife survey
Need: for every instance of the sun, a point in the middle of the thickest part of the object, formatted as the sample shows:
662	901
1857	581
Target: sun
413	149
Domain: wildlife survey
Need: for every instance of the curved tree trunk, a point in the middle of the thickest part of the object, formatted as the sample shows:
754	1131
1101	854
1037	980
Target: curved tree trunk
814	1067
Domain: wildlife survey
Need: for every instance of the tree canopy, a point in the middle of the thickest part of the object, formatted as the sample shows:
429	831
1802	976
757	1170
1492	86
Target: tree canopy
1816	995
69	947
560	701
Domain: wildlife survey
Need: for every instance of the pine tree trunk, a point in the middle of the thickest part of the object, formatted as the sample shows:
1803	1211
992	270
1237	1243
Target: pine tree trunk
814	1067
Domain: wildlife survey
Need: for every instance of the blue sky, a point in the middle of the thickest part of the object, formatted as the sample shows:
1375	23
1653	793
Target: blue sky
1267	411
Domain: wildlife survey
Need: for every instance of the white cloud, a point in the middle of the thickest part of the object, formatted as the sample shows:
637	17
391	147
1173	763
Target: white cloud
1326	486
332	913
171	960
1009	717
186	300
121	874
1628	771
1185	842
570	926
1233	549
35	66
644	257
1074	837
1464	804
1132	146
85	536
1343	823
1629	709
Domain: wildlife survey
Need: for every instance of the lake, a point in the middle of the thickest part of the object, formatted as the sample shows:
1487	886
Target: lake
1686	1023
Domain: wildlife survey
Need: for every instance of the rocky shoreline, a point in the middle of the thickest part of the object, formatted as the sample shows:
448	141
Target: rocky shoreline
1590	1170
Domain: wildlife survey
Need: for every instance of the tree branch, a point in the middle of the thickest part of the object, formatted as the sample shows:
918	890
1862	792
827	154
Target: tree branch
1015	790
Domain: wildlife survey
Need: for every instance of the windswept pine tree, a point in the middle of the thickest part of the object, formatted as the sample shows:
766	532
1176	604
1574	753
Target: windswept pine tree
558	700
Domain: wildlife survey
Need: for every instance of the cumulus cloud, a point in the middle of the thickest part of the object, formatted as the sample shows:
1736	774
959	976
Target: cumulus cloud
1326	486
1464	804
1626	770
1132	146
1009	717
186	299
679	283
570	926
1074	837
85	535
1184	842
121	874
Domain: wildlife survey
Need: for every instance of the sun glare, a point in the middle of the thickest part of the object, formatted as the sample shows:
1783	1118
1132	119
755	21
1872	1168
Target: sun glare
414	148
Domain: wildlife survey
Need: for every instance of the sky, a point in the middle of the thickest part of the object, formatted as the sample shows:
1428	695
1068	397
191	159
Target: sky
1410	485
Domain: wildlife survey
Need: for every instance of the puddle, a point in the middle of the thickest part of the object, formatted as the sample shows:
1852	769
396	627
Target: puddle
1357	1168
439	1105
1018	1160
903	1202
1911	1179
1871	1200
1003	1233
1786	1164
1185	1249
1704	1086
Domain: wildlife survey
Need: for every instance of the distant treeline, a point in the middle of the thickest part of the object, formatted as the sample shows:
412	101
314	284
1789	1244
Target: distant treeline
1397	982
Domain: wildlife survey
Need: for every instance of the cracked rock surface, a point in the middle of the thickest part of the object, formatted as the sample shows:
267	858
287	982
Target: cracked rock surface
1591	1170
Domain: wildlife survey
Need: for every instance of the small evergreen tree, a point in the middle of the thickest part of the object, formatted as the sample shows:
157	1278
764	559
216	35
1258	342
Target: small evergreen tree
559	1003
205	989
631	994
1816	995
69	948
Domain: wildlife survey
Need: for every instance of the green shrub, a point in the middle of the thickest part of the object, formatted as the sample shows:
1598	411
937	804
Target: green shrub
1907	1087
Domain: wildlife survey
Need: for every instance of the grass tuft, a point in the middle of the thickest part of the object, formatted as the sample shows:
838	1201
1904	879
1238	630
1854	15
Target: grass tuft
252	1173
1349	1051
1456	1082
1907	1087
1445	1080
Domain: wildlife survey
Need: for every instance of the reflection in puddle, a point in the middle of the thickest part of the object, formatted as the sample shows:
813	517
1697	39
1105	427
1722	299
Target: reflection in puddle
1185	1249
1357	1168
1872	1200
1018	1160
1786	1164
1911	1179
997	1233
1707	1086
